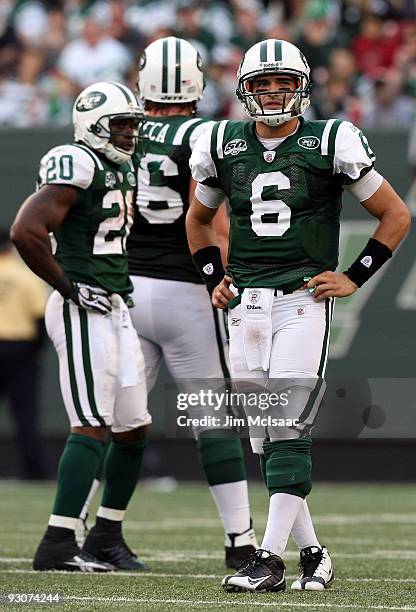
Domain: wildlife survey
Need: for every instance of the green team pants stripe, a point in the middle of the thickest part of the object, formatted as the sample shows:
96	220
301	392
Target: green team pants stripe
71	365
86	359
220	345
316	392
311	401
165	67
329	304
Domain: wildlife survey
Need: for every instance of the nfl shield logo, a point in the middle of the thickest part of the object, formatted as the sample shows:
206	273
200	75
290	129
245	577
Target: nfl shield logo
208	269
269	156
110	179
254	295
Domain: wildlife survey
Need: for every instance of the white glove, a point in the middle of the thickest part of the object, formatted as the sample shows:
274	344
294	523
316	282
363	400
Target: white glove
91	298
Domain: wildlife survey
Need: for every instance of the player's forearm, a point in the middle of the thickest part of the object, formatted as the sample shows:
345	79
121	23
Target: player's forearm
201	232
200	235
34	246
393	227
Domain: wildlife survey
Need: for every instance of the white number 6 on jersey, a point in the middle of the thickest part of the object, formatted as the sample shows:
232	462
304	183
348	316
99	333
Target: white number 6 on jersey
269	207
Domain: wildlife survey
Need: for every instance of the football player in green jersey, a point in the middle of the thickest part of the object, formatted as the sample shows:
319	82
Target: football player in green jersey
173	315
284	178
85	198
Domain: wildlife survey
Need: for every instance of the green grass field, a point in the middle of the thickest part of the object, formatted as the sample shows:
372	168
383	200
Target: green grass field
370	531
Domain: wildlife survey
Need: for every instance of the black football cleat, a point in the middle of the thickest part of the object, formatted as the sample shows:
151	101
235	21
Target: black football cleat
111	548
65	555
262	572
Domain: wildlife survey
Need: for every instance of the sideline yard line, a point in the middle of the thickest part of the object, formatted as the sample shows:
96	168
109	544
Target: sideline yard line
195	556
408	519
208	576
320	519
218	603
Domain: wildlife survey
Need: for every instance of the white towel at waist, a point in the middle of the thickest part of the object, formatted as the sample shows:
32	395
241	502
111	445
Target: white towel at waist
256	309
128	344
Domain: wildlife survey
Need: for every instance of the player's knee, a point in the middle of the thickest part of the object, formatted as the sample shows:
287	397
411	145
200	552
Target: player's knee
139	434
221	458
96	433
289	467
219	449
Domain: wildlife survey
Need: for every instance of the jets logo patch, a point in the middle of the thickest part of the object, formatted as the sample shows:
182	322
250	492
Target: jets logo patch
91	100
131	179
309	142
236	146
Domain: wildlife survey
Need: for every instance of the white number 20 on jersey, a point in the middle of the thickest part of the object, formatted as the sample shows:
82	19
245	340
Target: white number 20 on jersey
112	233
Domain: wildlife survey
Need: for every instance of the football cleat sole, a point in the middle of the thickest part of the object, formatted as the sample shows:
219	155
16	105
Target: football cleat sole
233	584
309	584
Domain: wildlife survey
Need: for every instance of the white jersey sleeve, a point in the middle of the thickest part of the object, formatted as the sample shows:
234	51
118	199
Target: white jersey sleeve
201	163
200	129
204	172
353	157
67	165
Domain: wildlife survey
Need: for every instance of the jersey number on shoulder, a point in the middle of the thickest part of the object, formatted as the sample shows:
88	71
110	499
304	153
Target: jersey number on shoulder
270	217
157	202
60	168
112	233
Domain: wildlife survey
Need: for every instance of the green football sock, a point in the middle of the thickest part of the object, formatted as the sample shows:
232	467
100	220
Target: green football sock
77	468
221	458
122	468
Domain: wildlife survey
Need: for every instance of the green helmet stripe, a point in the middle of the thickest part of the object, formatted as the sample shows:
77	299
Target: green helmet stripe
165	67
178	66
278	50
263	51
124	91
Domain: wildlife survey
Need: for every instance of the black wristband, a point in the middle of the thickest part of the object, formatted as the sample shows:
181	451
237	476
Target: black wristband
209	264
371	258
64	286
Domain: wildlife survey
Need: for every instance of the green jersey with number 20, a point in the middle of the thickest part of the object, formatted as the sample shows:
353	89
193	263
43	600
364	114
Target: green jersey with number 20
91	242
285	202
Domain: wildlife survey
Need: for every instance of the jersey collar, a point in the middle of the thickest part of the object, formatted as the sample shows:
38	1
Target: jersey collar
255	143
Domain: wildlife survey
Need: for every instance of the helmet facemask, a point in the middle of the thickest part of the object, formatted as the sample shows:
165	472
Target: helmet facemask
294	102
110	139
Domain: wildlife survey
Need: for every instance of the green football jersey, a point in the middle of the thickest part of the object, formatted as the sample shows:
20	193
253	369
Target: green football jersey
285	202
158	246
91	242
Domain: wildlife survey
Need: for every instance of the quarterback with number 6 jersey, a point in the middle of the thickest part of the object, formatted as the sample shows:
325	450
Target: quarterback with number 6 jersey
84	197
284	177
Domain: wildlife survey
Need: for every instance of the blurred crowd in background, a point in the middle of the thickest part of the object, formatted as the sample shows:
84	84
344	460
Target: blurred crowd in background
362	53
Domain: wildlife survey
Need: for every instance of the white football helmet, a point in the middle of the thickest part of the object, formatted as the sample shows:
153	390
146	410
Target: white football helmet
170	71
274	57
93	110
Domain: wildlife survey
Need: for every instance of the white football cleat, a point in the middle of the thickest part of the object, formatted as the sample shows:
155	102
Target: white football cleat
239	546
316	570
